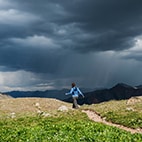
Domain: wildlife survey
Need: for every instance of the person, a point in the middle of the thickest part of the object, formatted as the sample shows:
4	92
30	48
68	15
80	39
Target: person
75	92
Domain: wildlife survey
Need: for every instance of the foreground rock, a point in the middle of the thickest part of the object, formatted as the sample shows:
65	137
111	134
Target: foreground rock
63	108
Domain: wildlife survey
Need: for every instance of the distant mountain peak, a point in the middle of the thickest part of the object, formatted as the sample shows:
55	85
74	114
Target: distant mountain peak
122	85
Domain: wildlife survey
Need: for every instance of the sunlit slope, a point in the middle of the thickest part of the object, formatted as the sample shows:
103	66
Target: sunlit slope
124	112
21	106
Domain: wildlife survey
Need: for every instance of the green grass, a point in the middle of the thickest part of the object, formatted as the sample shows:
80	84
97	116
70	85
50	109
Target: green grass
120	113
72	126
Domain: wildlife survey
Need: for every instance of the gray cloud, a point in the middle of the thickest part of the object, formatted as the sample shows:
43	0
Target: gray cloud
132	56
31	59
70	40
110	25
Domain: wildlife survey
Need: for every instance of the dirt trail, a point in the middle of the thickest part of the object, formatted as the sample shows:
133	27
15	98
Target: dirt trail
95	117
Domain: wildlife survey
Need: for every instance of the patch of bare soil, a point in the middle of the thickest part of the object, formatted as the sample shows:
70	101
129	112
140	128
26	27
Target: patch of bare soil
95	117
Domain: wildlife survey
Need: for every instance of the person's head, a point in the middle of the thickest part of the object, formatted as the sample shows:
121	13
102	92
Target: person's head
73	85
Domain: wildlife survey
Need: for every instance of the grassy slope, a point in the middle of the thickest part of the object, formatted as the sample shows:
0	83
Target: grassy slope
120	112
29	106
71	126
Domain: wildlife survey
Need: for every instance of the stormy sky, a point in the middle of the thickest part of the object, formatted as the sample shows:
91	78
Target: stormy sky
48	44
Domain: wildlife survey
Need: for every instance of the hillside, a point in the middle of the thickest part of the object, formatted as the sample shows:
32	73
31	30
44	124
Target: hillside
39	119
120	91
57	94
33	106
4	96
114	111
125	112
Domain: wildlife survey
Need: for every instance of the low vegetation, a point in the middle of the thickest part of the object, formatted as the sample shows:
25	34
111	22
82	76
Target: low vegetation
28	125
29	106
72	126
120	112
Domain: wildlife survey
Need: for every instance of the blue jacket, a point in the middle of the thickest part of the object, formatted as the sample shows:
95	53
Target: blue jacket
75	92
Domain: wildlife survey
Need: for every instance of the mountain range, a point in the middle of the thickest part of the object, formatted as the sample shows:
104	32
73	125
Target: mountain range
57	94
118	92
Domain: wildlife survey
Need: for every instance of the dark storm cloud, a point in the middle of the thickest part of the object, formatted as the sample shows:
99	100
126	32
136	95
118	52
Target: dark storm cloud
110	25
61	37
113	24
107	25
136	56
30	59
95	25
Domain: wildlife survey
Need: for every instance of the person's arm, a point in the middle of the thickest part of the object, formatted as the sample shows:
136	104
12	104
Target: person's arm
69	93
80	92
